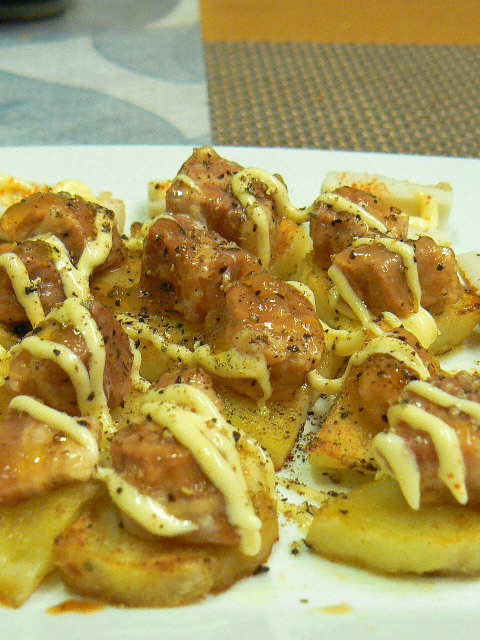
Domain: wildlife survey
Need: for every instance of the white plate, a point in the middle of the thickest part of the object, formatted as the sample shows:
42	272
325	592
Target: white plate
302	596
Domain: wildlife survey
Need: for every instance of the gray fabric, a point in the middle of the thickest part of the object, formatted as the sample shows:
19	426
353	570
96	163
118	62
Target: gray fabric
106	72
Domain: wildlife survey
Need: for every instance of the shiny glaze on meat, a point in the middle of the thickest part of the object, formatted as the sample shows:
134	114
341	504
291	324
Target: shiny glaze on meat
70	218
211	200
261	315
34	458
185	266
44	379
333	231
462	385
148	457
377	276
381	379
37	257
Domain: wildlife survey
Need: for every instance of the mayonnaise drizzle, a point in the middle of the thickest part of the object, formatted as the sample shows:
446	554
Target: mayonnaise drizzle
419	322
196	422
146	511
88	383
382	344
451	464
75	282
68	425
225	364
25	290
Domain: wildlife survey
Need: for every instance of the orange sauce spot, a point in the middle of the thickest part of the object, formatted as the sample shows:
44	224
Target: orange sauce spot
75	606
337	609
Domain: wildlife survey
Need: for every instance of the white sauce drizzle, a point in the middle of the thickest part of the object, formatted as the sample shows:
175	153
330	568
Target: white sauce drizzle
226	364
75	282
68	425
384	343
451	464
146	511
88	383
419	322
242	189
196	422
341	204
233	364
25	290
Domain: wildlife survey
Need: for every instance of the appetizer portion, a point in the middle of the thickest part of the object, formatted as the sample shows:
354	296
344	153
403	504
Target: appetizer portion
154	380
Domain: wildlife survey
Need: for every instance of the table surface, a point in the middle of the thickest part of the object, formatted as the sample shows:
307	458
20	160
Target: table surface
395	76
447	22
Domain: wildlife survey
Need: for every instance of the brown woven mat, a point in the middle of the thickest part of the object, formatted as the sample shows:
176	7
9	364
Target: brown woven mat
391	98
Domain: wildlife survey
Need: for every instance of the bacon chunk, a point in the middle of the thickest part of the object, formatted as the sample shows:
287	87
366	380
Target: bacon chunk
438	273
261	315
46	380
37	258
148	457
185	266
207	195
382	377
462	385
35	459
378	277
70	218
333	231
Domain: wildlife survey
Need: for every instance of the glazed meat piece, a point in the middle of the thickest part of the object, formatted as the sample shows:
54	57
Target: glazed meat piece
432	446
35	458
438	273
382	377
203	190
194	376
45	278
185	266
45	379
70	218
333	230
378	277
261	315
148	457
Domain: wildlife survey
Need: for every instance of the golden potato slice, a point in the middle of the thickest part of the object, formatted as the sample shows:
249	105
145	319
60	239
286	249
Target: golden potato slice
98	558
344	439
410	197
275	425
373	527
294	244
457	323
27	534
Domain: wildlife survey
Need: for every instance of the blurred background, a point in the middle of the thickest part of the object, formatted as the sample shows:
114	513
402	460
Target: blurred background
395	76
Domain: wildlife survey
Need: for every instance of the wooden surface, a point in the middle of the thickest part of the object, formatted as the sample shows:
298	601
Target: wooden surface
453	22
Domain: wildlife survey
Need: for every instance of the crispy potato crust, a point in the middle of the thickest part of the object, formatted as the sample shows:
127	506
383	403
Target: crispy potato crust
98	558
373	527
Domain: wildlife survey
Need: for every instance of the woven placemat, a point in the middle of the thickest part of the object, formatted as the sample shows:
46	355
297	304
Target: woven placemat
387	98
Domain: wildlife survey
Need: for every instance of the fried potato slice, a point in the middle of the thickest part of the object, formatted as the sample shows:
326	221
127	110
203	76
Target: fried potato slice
98	558
373	527
344	439
457	323
294	243
275	425
410	197
28	531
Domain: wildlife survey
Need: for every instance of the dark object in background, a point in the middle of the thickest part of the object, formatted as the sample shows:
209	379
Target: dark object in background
16	10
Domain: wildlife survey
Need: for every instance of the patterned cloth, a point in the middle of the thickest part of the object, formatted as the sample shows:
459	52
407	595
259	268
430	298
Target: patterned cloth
137	72
394	99
105	72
